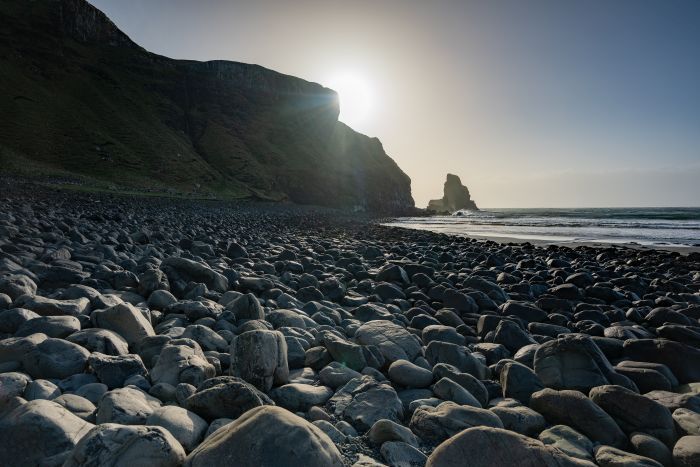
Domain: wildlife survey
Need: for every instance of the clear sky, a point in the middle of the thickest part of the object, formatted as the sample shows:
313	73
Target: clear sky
534	103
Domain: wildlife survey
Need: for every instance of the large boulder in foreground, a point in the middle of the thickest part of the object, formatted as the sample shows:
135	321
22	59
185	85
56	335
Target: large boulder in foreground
489	447
133	446
267	437
38	430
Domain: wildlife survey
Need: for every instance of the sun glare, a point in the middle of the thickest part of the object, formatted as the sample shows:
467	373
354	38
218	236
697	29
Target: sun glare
355	97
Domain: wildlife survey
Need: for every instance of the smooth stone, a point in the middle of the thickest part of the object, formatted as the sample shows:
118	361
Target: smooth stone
608	456
225	397
574	409
121	445
125	320
267	436
387	430
400	454
300	397
187	427
260	357
38	430
686	452
436	424
486	446
405	373
126	406
568	441
634	412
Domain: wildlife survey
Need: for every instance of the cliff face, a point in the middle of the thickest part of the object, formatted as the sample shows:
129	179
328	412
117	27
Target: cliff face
455	197
79	97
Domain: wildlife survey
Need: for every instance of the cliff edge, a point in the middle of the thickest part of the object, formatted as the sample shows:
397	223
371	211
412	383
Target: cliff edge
81	99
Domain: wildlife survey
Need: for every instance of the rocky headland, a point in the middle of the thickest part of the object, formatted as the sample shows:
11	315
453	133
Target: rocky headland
455	198
83	103
190	333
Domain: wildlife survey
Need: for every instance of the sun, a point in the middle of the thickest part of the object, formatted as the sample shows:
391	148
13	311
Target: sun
354	96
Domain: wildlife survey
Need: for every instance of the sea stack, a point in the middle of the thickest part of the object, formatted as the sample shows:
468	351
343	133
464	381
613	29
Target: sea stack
455	197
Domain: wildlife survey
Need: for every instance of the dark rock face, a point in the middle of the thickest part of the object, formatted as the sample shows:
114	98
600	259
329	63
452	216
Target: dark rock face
455	197
215	128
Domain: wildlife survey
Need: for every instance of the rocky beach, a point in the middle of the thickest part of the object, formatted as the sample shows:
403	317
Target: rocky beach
165	332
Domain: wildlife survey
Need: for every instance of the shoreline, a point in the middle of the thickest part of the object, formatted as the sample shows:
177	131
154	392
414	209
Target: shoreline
540	242
568	244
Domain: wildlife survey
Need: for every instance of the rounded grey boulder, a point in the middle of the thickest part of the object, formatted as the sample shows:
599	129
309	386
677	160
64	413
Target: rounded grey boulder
267	437
260	357
123	445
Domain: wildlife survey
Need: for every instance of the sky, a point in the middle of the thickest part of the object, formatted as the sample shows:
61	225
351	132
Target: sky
537	103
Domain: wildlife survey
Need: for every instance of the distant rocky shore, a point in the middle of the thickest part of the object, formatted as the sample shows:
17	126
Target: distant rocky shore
173	332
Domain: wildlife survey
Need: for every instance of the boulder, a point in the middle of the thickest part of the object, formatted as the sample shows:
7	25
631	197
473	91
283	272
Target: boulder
55	358
398	453
125	320
456	355
225	397
363	401
260	357
682	359
34	432
182	361
575	362
569	441
635	413
182	270
53	326
608	456
299	397
135	446
100	340
393	341
126	406
187	427
519	382
53	307
246	306
113	370
520	419
16	285
386	430
407	374
486	446
686	452
267	437
436	424
574	409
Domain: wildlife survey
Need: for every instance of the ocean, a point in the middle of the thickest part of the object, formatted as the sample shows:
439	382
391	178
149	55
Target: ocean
675	227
